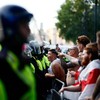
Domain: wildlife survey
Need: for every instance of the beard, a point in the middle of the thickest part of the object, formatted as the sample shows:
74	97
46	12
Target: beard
85	61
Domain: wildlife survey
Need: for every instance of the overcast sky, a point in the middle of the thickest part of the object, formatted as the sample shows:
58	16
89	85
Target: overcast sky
44	11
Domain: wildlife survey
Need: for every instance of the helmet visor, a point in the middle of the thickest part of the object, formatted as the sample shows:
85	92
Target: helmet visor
35	33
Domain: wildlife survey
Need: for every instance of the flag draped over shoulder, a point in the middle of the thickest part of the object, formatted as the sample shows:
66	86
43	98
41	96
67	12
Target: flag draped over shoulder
88	78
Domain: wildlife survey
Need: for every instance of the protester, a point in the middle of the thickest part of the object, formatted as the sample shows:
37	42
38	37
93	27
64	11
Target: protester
58	48
88	77
72	51
82	41
55	70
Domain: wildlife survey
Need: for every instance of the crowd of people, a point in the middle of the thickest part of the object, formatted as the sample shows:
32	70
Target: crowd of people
28	69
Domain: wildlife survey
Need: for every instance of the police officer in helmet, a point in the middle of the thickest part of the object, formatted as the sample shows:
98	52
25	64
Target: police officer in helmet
16	78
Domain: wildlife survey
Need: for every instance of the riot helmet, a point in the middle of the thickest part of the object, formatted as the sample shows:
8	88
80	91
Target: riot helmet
10	16
35	47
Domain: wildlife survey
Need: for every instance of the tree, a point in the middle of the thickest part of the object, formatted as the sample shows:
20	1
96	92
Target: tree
76	17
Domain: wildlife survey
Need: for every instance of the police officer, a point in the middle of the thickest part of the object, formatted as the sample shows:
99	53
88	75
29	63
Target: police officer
17	81
40	70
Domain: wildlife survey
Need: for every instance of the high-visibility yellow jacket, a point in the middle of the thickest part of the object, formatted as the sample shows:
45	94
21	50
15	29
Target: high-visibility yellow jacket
16	83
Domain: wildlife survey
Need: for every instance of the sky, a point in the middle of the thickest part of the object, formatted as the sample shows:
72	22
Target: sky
45	11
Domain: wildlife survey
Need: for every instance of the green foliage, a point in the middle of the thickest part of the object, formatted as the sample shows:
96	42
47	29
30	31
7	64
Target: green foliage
76	17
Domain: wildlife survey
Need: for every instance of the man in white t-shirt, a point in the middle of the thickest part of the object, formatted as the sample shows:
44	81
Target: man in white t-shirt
55	69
